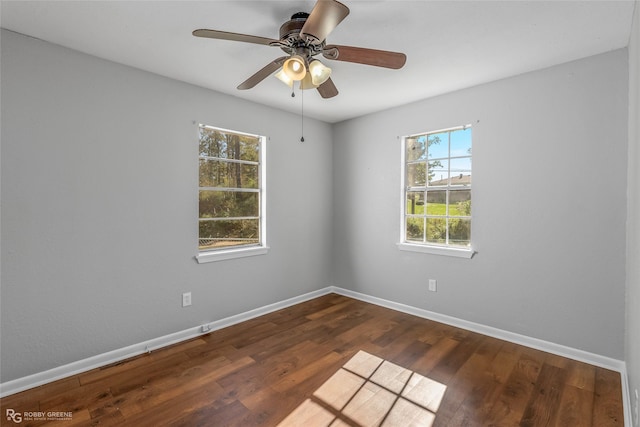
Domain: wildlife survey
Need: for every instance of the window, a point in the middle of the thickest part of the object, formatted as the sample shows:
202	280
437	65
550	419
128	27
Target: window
436	207
231	194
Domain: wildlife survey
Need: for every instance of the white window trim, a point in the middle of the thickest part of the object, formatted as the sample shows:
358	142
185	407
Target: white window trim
245	251
437	250
403	245
225	254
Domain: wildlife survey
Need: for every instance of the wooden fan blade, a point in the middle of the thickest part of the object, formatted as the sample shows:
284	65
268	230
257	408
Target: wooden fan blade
325	16
265	72
327	89
360	55
224	35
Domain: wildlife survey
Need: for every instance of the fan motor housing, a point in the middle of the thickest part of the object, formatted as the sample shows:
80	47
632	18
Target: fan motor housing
291	28
290	35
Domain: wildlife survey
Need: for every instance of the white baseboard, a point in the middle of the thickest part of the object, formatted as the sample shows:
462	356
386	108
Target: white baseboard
549	347
74	368
25	383
571	353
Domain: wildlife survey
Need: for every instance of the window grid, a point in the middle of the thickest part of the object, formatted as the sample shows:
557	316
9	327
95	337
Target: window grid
226	230
419	223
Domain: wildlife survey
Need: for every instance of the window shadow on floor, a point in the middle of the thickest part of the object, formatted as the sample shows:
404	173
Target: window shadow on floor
370	391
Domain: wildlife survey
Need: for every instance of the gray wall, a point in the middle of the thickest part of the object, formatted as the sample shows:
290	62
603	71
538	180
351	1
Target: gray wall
549	205
99	207
632	353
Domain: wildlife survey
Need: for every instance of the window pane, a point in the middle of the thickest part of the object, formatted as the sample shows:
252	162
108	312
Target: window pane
224	204
415	229
217	173
249	148
438	145
461	171
460	203
438	173
417	174
416	148
437	202
415	203
436	230
225	233
461	142
459	232
212	143
228	145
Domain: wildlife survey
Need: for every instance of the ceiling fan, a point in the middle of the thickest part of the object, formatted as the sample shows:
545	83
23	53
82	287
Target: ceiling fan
302	38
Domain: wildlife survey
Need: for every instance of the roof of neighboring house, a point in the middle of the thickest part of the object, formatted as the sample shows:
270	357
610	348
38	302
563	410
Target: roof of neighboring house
459	179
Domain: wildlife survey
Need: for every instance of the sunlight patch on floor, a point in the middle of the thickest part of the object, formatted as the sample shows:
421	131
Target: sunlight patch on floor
370	391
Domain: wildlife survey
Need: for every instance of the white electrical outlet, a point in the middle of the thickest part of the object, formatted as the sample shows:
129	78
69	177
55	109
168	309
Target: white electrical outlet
433	285
186	299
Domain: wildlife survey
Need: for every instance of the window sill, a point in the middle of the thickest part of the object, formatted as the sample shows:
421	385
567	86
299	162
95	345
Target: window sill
222	255
437	250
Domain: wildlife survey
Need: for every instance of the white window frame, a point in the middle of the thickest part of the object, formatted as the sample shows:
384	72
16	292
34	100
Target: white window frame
261	248
428	248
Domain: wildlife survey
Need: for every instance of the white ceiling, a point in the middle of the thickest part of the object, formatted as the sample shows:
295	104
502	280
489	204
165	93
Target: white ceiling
449	45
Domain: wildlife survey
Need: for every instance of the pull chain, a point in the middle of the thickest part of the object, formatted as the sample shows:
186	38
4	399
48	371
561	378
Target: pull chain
302	115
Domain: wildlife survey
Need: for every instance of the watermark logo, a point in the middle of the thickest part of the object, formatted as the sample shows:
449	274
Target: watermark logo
18	417
14	416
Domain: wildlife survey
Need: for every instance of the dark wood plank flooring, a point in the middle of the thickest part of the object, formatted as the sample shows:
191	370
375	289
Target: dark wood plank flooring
270	369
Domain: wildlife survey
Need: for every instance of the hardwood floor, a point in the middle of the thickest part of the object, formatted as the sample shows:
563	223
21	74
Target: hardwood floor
332	360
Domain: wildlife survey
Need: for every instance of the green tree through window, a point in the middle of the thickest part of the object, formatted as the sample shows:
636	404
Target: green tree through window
229	189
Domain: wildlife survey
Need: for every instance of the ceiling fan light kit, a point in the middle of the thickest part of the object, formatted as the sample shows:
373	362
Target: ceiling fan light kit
319	72
284	78
295	67
307	83
302	38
